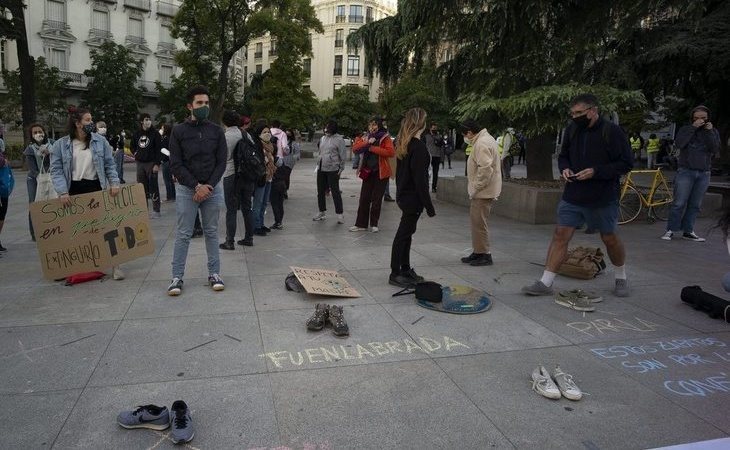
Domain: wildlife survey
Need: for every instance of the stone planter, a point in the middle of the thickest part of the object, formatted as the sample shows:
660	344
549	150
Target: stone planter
528	204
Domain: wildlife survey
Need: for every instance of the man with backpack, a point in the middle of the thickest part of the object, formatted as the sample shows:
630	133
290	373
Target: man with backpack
594	155
250	167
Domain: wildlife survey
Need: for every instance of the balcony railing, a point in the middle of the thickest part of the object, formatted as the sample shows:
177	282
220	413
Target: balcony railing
258	55
337	72
340	19
142	5
54	24
339	43
74	79
167	9
357	19
139	40
104	35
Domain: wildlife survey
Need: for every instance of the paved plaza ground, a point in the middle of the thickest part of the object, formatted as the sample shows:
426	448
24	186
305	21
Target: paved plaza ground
655	372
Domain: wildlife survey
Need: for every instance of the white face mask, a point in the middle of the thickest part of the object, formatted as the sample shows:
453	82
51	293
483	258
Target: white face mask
266	137
161	131
38	137
467	140
101	131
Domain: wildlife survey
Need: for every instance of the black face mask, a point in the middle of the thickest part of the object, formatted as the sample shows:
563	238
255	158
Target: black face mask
582	121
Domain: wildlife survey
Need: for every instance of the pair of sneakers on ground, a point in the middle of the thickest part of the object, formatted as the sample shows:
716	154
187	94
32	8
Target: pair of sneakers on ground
578	300
155	417
322	215
691	236
329	314
404	279
214	281
559	385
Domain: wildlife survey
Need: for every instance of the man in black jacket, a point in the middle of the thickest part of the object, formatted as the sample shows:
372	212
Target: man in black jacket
198	155
594	155
146	150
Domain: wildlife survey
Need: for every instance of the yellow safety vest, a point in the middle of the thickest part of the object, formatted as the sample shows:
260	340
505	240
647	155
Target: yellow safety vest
468	149
652	146
635	144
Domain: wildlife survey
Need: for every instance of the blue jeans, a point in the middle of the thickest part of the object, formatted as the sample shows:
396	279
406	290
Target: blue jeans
260	200
119	161
187	211
689	190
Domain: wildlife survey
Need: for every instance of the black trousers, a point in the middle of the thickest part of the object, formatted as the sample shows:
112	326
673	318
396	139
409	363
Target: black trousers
278	190
331	180
148	178
371	200
84	187
229	193
435	163
400	256
244	193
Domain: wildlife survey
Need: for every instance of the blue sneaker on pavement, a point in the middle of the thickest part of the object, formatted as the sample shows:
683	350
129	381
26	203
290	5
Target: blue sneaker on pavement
148	416
182	423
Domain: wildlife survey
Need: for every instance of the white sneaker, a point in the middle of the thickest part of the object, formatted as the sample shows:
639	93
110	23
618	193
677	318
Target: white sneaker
566	384
340	218
320	216
156	215
374	230
356	228
543	384
117	273
667	236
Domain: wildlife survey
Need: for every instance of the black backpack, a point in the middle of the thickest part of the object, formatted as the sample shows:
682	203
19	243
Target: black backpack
249	160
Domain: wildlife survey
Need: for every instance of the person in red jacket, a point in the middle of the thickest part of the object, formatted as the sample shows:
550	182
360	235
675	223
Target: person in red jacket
375	148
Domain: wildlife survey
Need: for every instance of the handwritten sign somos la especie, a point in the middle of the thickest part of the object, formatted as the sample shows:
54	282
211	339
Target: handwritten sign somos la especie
96	232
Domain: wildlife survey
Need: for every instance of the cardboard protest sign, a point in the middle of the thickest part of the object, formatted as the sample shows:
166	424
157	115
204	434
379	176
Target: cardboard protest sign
96	232
324	282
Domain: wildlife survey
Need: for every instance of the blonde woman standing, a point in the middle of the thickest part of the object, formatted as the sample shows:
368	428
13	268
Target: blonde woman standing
412	196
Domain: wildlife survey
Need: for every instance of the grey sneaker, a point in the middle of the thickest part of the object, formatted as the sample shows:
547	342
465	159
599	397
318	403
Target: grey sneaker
320	216
575	302
216	282
175	287
182	423
319	318
566	384
336	318
537	288
667	236
148	416
543	384
622	288
592	296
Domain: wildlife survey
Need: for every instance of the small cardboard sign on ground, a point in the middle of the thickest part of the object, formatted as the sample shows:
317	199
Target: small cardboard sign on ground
324	282
96	232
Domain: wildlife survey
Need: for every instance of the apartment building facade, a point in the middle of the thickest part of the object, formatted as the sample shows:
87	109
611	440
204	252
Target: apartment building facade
333	63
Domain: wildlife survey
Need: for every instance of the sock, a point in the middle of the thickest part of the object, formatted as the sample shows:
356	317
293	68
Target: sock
620	272
548	278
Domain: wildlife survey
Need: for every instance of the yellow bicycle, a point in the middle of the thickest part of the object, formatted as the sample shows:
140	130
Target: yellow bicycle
635	195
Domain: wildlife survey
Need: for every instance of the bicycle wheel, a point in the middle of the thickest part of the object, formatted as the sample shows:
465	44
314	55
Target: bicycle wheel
661	204
629	205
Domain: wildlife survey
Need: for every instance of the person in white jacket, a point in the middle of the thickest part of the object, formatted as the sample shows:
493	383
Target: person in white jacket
484	177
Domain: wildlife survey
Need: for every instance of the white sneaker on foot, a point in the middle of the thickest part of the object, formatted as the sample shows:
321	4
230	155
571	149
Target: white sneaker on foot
320	216
340	218
543	384
374	230
667	236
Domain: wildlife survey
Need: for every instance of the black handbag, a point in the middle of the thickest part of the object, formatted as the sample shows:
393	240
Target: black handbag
429	291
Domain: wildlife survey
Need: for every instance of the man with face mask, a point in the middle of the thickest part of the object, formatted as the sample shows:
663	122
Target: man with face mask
146	150
594	155
198	156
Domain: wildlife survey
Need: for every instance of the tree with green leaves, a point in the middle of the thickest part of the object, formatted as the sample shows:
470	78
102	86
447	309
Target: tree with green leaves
12	27
351	108
424	90
48	86
112	93
214	30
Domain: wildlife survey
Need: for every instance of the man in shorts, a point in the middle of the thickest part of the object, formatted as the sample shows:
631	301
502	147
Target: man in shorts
594	155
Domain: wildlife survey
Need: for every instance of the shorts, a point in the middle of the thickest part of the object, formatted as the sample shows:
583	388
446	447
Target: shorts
602	218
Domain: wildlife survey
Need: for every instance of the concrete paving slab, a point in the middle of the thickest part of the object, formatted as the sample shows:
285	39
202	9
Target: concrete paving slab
601	419
88	302
269	262
271	294
234	412
374	338
51	357
501	328
405	405
34	420
284	239
612	320
150	350
376	282
358	258
197	299
232	265
692	371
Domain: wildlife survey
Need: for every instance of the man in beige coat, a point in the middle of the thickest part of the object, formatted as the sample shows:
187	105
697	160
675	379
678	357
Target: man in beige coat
484	174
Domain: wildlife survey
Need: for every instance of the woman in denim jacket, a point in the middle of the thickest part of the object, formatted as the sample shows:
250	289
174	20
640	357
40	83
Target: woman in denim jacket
82	162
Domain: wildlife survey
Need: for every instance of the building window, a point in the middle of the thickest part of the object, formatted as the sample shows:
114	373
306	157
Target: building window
165	34
259	69
135	29
3	54
259	50
353	66
245	74
307	67
336	88
369	14
356	14
272	50
100	21
338	65
339	38
340	14
58	58
166	73
56	14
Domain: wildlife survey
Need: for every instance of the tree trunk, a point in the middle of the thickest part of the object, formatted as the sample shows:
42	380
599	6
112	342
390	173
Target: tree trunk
27	66
539	156
216	113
